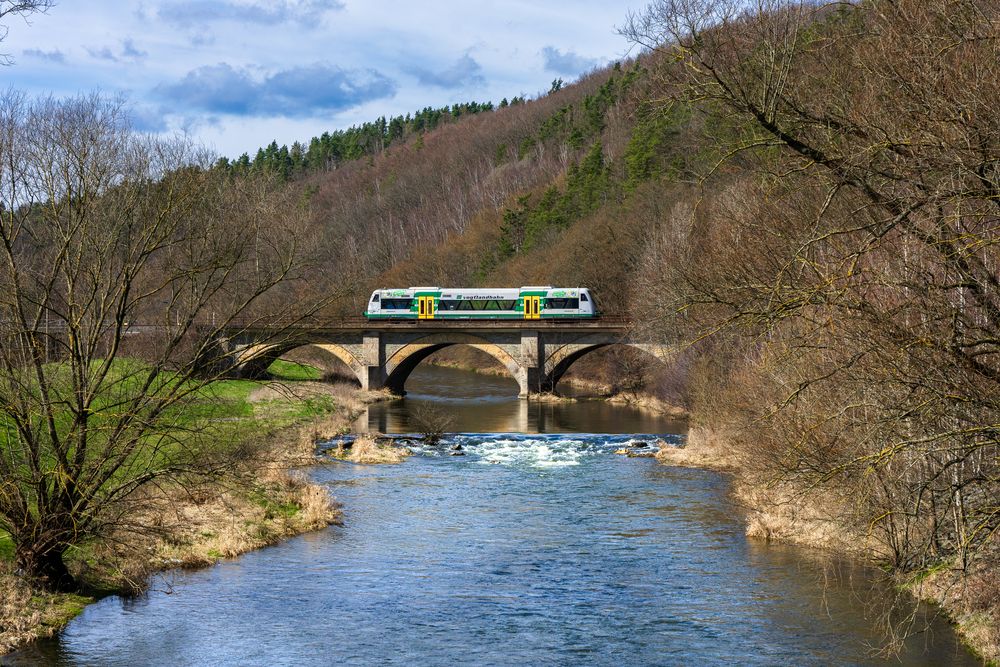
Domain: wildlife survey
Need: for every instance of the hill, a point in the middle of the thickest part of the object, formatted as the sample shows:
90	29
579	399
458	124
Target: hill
483	198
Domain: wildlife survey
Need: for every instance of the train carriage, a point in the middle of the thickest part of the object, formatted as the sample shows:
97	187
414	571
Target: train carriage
468	303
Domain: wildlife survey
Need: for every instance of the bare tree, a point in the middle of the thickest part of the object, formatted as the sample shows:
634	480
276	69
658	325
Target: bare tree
22	9
430	422
105	236
855	258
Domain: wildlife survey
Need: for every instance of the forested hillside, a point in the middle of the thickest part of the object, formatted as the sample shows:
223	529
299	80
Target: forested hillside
525	192
805	197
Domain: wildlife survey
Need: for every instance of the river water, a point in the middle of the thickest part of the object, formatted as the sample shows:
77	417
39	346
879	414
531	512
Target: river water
538	546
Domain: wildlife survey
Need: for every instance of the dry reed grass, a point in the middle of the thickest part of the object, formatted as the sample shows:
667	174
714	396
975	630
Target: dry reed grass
782	513
367	451
550	397
27	614
268	501
704	448
651	403
239	520
19	622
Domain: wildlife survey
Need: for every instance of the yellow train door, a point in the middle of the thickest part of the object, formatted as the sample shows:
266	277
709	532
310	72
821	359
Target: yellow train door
532	307
425	307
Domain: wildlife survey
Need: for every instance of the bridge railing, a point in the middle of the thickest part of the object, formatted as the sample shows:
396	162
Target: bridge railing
358	322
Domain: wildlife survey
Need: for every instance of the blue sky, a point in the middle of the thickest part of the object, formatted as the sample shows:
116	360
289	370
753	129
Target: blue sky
236	74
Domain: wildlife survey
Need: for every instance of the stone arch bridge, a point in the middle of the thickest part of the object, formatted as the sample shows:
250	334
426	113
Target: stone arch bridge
383	354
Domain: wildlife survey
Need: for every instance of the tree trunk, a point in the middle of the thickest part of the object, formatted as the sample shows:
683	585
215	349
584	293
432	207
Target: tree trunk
45	566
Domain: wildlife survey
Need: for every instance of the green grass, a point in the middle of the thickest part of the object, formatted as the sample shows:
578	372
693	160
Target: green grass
6	547
229	390
221	400
217	417
68	607
272	508
223	412
293	371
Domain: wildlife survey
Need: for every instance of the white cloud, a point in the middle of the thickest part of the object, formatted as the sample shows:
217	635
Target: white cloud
295	92
567	63
463	73
55	55
196	13
128	51
431	53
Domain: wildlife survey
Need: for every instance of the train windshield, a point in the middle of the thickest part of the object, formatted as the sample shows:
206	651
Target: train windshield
562	303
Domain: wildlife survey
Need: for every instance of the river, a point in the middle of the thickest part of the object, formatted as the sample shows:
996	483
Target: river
537	546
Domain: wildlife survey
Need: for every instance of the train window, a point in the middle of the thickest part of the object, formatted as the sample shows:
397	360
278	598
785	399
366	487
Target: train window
396	304
375	298
479	304
583	297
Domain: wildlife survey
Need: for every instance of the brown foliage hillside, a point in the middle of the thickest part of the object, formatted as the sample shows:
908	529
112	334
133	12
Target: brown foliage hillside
842	269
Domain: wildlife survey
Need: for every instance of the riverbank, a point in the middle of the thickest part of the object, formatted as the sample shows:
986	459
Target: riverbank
264	500
782	512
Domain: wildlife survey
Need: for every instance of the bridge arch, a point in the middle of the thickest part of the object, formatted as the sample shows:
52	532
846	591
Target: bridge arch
252	361
402	362
344	355
559	361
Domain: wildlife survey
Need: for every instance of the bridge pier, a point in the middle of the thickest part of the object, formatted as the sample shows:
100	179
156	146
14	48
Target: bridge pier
371	378
532	364
529	382
372	375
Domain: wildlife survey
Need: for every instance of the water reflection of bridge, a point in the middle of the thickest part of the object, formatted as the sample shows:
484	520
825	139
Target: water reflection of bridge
506	414
383	354
513	417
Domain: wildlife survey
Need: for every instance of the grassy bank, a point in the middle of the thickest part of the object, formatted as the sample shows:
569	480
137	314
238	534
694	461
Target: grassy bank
263	500
785	512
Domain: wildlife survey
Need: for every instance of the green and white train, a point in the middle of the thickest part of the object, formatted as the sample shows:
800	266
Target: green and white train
458	303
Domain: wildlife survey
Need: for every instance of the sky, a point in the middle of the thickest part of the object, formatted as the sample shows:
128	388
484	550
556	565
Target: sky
237	74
